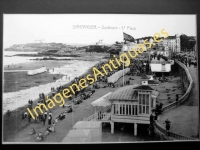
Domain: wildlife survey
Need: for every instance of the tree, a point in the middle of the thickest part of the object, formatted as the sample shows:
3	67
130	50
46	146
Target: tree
117	42
187	42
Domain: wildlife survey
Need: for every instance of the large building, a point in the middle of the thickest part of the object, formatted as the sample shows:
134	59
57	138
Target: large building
171	42
130	104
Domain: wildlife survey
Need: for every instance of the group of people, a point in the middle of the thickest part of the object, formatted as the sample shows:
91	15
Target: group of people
61	116
30	104
187	60
158	56
154	116
50	128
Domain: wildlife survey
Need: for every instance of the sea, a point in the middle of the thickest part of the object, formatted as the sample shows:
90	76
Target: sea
14	100
21	59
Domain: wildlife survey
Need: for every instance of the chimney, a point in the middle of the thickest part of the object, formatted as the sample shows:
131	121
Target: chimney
144	82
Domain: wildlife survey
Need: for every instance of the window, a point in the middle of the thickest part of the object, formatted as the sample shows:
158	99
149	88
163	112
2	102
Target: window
144	103
115	108
143	99
147	99
147	109
123	109
130	109
133	110
140	99
140	109
127	113
115	112
120	108
136	110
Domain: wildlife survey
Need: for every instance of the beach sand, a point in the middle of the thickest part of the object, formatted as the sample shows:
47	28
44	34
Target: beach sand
29	87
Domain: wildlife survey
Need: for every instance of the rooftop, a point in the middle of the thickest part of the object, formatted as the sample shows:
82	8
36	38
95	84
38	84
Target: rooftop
129	92
124	93
143	87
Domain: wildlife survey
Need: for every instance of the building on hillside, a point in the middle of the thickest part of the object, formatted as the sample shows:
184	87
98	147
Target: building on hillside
172	42
131	45
114	49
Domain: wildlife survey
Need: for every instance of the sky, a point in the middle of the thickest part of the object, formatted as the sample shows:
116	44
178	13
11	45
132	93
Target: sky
59	28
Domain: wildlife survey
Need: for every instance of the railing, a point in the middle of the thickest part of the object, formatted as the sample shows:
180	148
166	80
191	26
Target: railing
175	104
99	117
171	134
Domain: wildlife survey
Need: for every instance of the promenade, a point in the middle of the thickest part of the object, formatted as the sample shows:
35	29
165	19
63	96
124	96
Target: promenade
184	118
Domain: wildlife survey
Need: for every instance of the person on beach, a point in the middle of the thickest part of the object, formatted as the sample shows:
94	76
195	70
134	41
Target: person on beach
25	114
45	115
53	127
43	120
29	118
56	120
49	129
32	131
31	102
49	120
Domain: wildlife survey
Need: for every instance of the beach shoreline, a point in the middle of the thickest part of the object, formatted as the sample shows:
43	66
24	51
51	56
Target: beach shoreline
19	110
59	70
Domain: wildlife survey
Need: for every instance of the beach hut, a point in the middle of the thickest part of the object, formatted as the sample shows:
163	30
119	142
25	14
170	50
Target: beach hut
94	126
80	136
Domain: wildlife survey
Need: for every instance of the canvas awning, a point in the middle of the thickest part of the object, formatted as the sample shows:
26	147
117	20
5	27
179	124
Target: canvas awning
102	101
78	136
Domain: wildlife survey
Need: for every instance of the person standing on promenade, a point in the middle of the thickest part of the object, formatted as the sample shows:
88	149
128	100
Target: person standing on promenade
186	62
167	122
176	99
189	62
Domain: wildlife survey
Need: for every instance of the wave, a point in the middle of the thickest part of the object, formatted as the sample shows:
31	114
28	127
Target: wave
14	100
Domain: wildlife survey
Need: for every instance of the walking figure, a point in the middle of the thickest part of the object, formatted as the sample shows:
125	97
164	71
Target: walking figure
167	122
